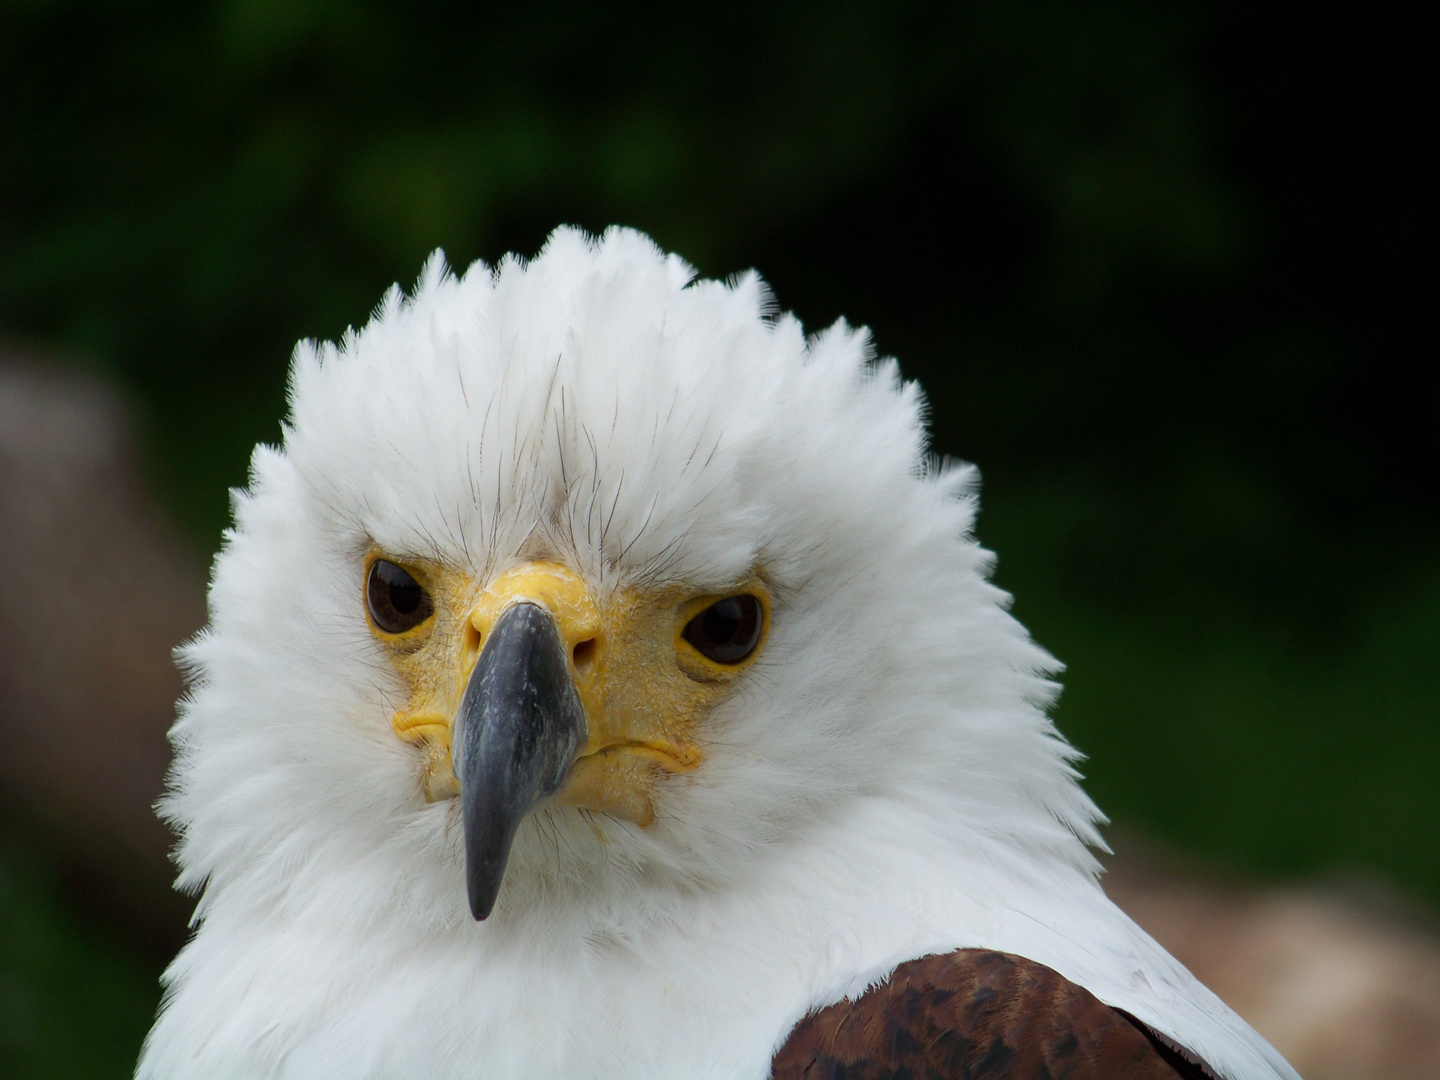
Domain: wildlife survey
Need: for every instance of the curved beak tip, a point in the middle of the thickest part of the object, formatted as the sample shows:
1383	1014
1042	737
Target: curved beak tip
520	727
481	891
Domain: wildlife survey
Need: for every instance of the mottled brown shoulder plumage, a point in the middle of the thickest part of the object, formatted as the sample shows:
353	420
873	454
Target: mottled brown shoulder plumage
979	1015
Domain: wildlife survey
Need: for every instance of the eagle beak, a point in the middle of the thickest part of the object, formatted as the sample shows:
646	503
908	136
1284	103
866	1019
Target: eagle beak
520	727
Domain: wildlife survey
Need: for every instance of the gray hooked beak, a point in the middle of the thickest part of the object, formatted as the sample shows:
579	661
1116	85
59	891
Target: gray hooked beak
520	728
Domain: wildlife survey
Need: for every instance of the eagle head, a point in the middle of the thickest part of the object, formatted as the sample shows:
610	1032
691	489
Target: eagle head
579	576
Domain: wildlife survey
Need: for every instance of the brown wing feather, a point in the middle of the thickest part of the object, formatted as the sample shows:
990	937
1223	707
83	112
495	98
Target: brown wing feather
978	1015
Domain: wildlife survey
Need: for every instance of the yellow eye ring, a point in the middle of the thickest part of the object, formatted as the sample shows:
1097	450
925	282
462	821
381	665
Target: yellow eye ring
728	630
719	636
395	601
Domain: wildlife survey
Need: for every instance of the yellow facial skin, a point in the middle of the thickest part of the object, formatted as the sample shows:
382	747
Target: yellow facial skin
645	689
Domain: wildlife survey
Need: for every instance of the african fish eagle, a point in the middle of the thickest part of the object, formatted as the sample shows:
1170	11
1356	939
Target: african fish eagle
602	681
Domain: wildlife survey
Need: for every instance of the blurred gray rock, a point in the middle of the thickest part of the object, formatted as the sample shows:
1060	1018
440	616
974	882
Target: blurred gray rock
1344	979
97	592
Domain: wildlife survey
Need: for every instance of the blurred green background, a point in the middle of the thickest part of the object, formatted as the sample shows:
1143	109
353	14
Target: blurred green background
1151	261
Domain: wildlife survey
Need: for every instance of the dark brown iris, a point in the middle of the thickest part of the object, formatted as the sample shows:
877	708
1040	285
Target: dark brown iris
728	630
396	600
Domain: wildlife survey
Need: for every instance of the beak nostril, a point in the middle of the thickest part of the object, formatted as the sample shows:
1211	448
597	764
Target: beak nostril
471	640
584	653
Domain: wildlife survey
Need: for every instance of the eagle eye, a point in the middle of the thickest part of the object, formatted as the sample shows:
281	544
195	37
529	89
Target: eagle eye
397	602
728	630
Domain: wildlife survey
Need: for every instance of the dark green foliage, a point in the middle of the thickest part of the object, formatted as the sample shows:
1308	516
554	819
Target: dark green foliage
186	189
75	998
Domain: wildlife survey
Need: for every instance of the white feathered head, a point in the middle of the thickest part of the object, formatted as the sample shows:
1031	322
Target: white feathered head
617	564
